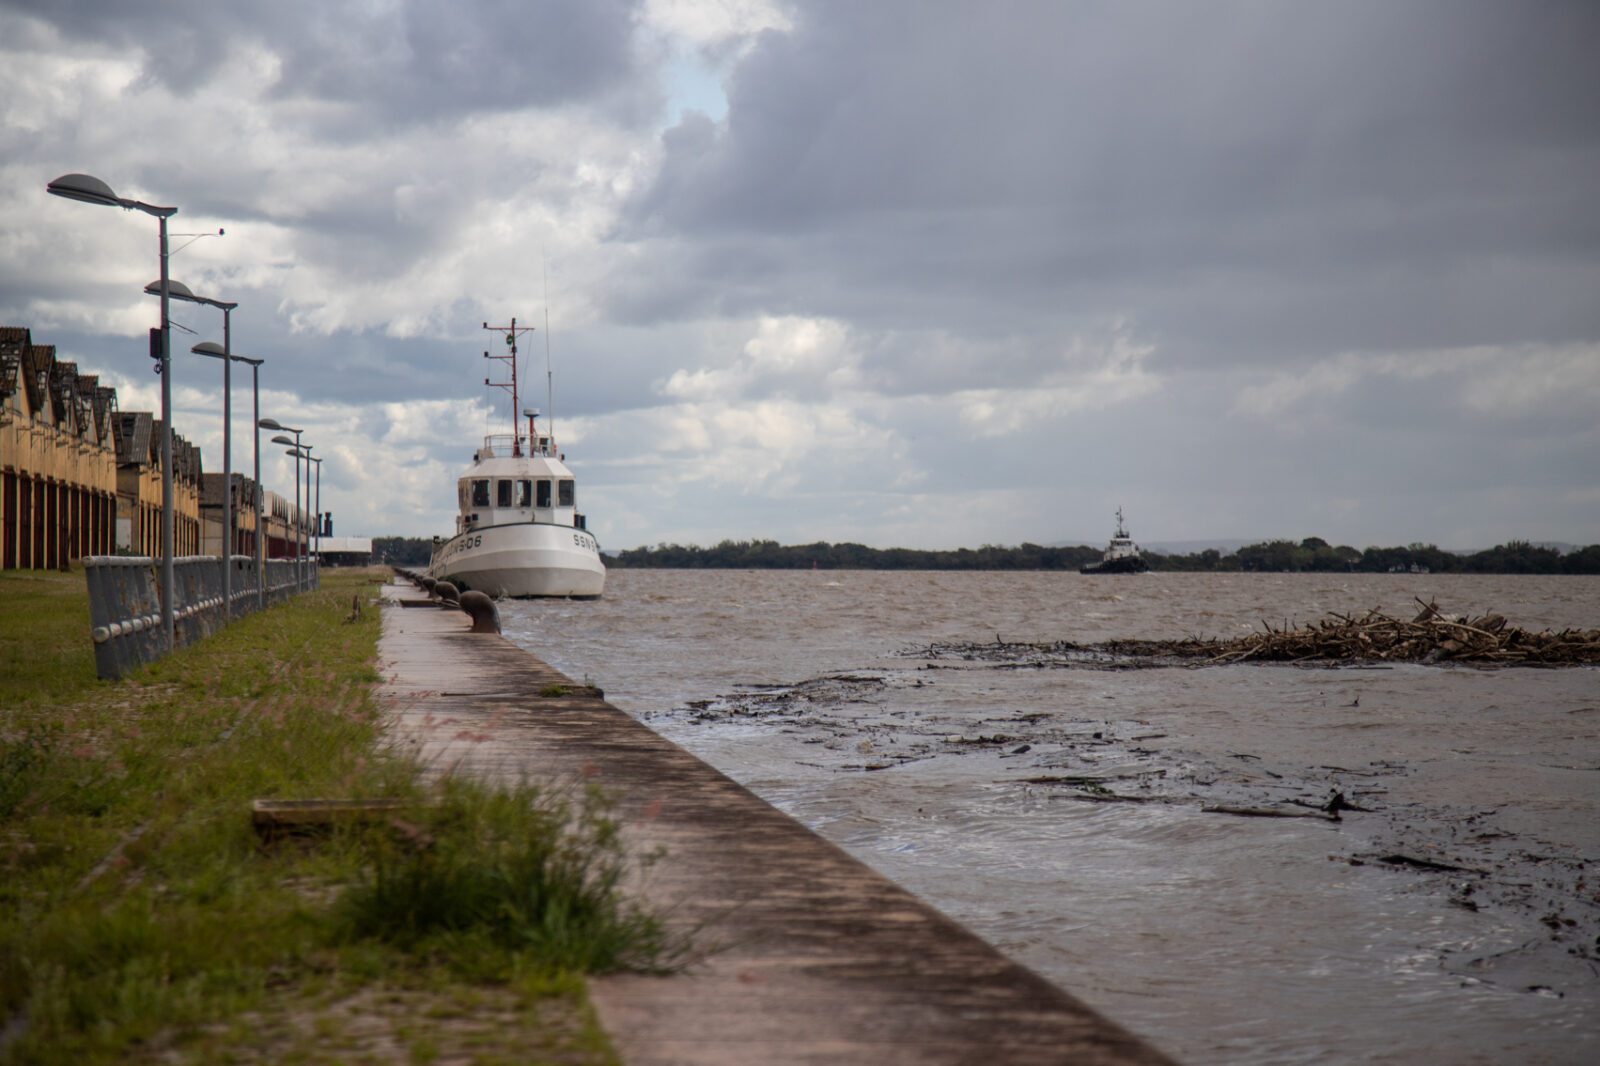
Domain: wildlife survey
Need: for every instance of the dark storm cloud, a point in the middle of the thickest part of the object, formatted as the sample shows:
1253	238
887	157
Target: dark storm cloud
413	60
1245	180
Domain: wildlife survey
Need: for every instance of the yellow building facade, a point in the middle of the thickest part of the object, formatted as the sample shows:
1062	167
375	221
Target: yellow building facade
138	452
58	474
72	481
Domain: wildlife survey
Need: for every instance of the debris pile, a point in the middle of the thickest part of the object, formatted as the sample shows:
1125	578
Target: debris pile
1431	636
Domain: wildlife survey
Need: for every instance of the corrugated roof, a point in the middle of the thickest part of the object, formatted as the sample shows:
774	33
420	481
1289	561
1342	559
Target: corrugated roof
105	405
133	431
14	340
36	362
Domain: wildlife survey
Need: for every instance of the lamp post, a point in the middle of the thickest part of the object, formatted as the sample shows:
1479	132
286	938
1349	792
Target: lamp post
268	424
91	190
314	568
299	520
228	359
177	290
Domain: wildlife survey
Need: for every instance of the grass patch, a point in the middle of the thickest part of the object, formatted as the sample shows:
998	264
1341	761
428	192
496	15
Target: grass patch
141	918
509	879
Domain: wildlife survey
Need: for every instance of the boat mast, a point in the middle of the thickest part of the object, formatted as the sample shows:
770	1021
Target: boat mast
549	378
511	333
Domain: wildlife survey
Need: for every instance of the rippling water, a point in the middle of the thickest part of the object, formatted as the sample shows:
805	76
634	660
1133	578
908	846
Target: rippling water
1221	939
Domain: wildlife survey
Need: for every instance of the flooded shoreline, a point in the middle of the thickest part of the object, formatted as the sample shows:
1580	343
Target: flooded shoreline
1447	914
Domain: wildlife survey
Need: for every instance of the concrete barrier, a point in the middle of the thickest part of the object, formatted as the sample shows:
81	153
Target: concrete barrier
125	603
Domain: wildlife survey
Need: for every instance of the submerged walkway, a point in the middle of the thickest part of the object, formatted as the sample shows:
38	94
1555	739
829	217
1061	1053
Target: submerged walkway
816	958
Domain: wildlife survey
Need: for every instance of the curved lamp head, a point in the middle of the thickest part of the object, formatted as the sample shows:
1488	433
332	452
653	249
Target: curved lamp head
215	350
270	423
91	190
177	290
280	438
84	187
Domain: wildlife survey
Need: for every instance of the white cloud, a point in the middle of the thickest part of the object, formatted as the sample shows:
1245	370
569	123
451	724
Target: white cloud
785	354
710	23
1088	377
1501	382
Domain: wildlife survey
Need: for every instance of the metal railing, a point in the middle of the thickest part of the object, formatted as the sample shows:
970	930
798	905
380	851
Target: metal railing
125	602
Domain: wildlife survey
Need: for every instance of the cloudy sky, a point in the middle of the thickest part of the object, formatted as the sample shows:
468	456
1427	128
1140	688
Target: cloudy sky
909	273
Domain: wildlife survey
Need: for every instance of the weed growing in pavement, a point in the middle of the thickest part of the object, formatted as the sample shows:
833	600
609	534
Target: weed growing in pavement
507	877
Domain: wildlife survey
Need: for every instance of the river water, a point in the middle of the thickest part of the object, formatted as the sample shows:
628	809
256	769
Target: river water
1058	809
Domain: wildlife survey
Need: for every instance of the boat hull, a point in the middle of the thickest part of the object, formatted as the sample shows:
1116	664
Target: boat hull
522	560
1128	564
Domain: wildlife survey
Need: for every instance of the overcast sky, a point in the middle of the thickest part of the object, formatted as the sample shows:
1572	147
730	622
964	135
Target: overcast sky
910	273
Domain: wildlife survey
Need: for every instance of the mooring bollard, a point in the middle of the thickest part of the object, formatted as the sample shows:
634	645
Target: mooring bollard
485	615
449	595
428	584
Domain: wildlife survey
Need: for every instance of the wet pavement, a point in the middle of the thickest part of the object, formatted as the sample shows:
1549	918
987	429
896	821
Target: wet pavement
802	953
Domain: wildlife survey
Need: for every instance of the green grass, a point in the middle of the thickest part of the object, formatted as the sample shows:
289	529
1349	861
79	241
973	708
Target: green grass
510	878
142	918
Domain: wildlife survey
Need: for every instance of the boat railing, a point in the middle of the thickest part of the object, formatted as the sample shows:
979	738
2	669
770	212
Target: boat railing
501	445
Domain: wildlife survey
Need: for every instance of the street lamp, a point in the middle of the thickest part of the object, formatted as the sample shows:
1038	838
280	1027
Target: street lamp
228	359
299	511
269	424
91	190
313	568
317	553
177	290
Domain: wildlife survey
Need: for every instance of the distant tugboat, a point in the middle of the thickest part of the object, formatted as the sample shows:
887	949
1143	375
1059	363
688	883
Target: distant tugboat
1122	555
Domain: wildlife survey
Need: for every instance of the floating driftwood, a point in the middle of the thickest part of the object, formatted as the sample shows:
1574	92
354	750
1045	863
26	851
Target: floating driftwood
1430	637
1269	812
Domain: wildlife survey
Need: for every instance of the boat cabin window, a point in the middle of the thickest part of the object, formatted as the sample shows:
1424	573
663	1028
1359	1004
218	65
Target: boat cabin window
480	492
564	493
503	493
524	493
542	499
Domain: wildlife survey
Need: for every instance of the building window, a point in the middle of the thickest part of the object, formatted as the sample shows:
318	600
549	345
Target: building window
542	499
565	496
480	493
503	493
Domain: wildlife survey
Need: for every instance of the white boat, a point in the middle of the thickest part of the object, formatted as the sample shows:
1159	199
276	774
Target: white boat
519	531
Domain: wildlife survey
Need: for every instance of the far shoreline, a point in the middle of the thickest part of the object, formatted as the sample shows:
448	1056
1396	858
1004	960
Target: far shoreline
1311	555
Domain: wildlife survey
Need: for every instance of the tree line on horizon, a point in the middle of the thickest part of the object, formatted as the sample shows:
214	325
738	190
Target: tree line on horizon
1313	554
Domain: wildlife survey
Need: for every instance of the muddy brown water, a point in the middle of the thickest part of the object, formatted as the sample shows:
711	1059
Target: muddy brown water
1059	810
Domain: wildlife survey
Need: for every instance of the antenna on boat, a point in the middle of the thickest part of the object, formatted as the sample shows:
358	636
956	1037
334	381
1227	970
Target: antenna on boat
512	332
549	378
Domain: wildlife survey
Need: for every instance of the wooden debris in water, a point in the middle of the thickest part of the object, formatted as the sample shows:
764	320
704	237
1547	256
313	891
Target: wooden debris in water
1431	636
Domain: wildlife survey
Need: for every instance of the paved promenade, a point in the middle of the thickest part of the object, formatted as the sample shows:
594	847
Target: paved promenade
815	958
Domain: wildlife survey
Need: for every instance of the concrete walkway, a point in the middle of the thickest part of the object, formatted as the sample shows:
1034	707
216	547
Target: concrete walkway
816	958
